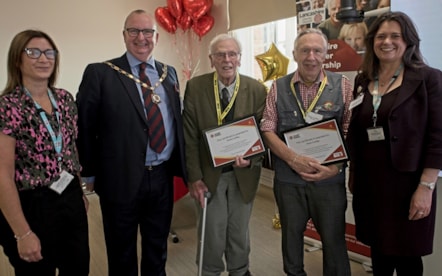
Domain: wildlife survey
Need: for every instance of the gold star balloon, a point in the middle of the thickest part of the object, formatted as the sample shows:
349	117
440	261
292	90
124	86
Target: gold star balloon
273	63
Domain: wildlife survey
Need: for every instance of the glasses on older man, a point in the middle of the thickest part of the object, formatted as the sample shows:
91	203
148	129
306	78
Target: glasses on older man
134	32
221	55
35	53
307	51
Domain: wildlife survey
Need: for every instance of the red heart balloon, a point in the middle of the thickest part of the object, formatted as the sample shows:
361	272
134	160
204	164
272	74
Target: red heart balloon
175	8
203	25
197	8
165	19
185	21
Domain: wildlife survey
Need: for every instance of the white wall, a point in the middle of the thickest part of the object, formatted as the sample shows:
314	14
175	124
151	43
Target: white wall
88	31
427	19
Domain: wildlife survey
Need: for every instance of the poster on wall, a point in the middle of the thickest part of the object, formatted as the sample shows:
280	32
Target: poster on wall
345	53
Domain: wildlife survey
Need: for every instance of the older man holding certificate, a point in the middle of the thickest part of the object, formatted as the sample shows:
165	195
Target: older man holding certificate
214	103
305	187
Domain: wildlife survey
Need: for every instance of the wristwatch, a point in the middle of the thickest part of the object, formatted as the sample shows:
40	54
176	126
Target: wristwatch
429	185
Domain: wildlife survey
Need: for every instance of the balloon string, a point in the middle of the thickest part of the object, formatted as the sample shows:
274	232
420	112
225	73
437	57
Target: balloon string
196	49
187	51
178	36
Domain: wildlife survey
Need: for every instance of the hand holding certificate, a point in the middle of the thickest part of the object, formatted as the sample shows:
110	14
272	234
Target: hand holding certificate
238	138
321	140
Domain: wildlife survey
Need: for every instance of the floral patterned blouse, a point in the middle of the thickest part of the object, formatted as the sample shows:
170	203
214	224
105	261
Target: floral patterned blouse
35	157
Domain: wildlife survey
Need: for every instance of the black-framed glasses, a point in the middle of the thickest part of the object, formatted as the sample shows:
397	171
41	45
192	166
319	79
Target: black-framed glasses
35	53
221	55
134	32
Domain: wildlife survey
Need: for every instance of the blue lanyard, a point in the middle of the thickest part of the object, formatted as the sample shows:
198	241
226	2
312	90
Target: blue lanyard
56	139
377	98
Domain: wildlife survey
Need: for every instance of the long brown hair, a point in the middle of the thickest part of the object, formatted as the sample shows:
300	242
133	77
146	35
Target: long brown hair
412	56
15	54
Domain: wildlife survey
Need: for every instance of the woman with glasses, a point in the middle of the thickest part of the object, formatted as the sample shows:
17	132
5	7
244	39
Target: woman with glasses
43	221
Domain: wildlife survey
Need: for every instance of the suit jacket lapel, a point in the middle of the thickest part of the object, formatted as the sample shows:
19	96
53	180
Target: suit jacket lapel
211	95
241	103
130	86
207	98
410	81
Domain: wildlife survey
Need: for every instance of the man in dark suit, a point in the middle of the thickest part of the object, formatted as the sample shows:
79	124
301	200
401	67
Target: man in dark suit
211	100
132	176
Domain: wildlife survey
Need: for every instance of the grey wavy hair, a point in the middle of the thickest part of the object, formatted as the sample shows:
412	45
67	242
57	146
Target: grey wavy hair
223	37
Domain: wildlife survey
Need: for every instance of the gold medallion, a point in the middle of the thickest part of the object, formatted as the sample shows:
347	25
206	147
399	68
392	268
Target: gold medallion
156	98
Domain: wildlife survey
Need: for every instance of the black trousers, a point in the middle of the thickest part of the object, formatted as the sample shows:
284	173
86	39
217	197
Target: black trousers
151	213
385	265
60	222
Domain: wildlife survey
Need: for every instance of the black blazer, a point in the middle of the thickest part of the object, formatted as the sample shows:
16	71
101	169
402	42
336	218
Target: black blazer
113	131
415	121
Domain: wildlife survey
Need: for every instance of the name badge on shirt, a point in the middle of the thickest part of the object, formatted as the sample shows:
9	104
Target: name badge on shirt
356	102
375	134
313	117
60	185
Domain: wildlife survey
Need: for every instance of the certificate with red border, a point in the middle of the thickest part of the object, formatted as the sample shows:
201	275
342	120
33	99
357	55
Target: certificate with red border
238	138
322	141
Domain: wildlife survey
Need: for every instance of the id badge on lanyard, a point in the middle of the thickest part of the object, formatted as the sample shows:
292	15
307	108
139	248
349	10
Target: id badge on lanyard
57	139
60	185
309	116
376	133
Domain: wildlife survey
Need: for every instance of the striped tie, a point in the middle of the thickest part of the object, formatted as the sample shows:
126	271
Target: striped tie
225	99
225	102
157	135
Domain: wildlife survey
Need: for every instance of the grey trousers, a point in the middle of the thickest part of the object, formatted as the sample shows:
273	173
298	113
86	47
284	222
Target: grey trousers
226	231
325	205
